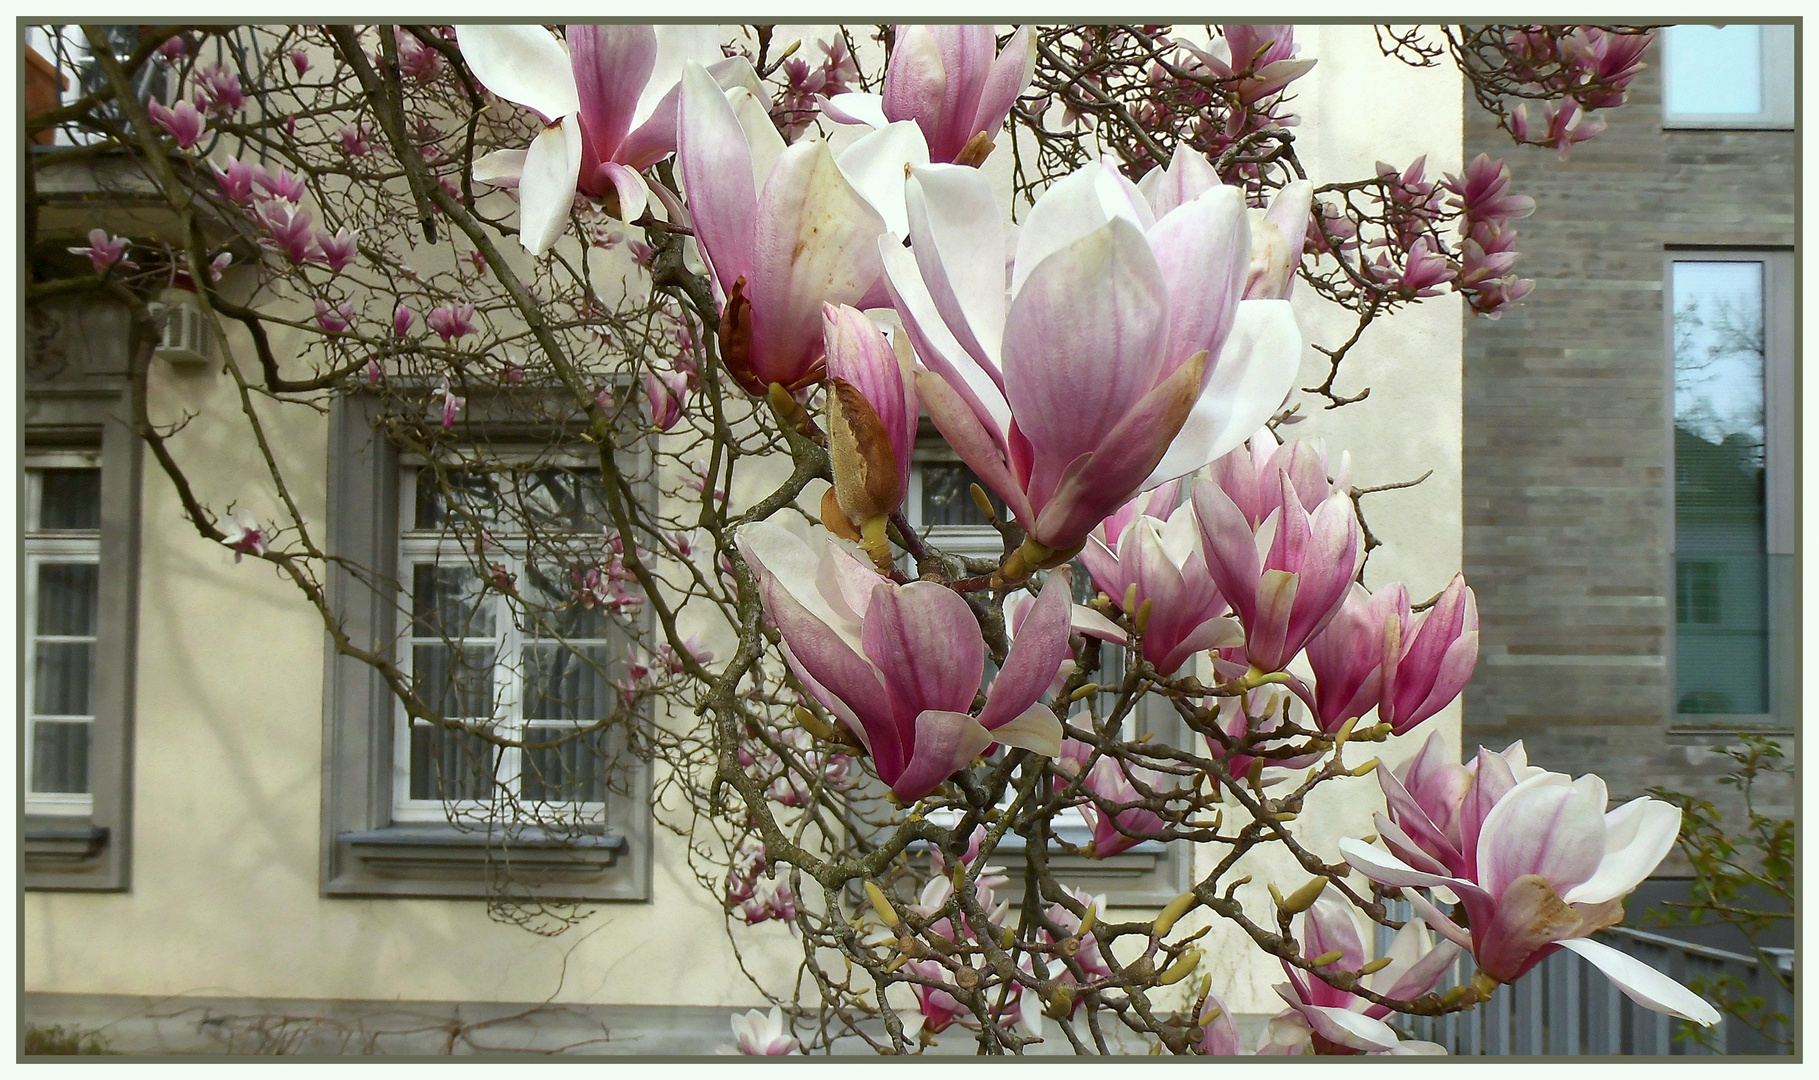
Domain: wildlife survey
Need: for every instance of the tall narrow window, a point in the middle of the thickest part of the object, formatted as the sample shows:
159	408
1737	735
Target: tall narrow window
62	608
1725	340
1733	76
516	644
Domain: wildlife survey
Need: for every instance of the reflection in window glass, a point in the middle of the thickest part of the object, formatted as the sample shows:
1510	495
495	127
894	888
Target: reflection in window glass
1720	533
1712	70
947	496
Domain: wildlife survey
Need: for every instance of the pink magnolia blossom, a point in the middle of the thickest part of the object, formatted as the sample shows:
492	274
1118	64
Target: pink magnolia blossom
283	184
1428	658
1347	656
334	319
665	397
218	90
219	265
1219	1036
872	413
1539	865
403	318
785	229
1339	1022
1158	555
1288	578
1565	125
1425	269
1109	782
511	372
355	140
901	664
184	123
451	321
300	61
1255	715
762	1036
173	48
339	249
104	251
1482	191
1122	355
245	535
1250	475
289	230
374	373
1261	59
949	82
608	99
450	403
415	59
235	182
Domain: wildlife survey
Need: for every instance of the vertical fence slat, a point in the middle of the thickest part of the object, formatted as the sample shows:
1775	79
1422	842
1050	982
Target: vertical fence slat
1527	1004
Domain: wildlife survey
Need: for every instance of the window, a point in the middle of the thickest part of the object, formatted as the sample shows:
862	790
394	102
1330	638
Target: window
941	508
515	652
1730	325
411	809
62	600
1734	76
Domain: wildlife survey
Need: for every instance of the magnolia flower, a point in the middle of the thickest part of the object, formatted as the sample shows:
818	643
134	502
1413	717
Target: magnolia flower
946	79
289	230
1288	578
871	430
1261	59
607	98
339	248
403	319
901	664
1278	233
282	185
184	123
665	395
1121	357
762	1035
219	265
1219	1036
355	140
300	61
1340	1022
1109	782
235	181
245	535
1428	658
1538	864
449	321
1347	656
784	229
1154	559
334	319
104	251
450	403
1255	714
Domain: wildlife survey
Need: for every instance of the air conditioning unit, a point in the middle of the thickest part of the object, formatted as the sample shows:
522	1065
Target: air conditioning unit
185	338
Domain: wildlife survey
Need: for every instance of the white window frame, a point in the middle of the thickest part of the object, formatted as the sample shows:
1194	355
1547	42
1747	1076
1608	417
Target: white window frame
440	547
1780	510
41	546
1778	69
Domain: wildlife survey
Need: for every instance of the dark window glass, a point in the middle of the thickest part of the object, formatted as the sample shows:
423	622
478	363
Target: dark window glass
449	764
59	757
571	771
947	496
69	500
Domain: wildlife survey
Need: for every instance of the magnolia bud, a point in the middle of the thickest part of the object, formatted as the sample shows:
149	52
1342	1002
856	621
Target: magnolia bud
1171	914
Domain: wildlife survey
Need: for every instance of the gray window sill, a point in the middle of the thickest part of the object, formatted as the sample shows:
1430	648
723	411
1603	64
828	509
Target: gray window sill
439	860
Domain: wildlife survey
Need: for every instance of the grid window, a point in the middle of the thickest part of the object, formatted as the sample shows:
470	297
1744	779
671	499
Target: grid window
513	653
1731	452
1734	76
62	609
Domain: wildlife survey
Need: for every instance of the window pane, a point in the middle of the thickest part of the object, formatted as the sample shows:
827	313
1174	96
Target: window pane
449	764
454	688
473	496
69	499
553	608
450	602
947	496
573	500
60	679
59	757
1721	592
574	771
67	594
1713	70
566	683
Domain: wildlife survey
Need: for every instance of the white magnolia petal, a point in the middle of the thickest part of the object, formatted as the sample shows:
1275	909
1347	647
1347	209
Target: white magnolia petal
1348	1028
1255	372
1643	984
876	165
796	565
760	134
942	355
501	168
856	108
546	190
1638	835
953	218
1384	868
677	44
1072	207
522	64
1090	622
1035	729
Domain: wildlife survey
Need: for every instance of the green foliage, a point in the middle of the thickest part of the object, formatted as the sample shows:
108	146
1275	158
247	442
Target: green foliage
55	1040
1743	878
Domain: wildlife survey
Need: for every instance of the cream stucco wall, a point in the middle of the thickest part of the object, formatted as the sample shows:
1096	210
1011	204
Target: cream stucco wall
228	747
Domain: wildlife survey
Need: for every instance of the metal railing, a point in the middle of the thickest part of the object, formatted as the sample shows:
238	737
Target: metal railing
1565	1006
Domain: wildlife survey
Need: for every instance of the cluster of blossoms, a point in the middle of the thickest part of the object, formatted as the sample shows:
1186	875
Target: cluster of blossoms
608	585
1591	66
753	893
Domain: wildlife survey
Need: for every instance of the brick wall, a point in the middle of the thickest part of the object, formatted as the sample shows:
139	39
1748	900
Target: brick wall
1566	447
